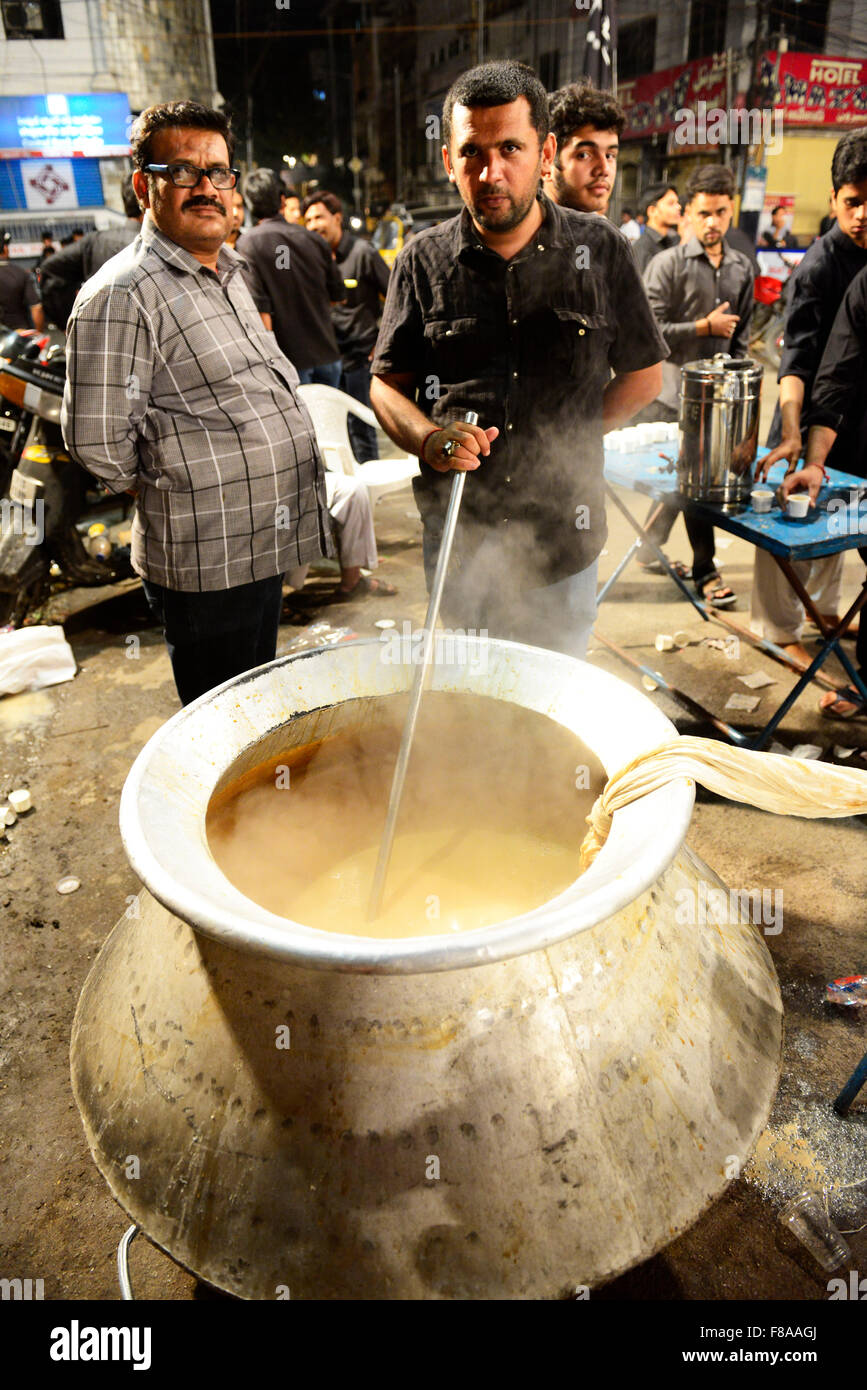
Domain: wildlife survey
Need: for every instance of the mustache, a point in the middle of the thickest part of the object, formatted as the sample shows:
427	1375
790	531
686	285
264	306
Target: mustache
202	202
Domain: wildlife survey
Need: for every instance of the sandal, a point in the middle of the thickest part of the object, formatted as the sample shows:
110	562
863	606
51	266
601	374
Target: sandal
366	585
720	596
656	567
840	706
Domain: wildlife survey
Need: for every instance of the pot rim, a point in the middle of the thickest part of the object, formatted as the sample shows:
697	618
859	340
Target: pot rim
177	770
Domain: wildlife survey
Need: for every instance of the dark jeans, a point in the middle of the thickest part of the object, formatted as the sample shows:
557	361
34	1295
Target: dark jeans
701	538
700	533
326	374
215	635
356	383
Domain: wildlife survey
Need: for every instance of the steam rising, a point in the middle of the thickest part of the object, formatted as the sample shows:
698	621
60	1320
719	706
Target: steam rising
491	822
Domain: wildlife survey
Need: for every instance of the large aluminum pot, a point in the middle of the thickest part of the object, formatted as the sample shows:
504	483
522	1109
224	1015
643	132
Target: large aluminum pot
509	1112
719	429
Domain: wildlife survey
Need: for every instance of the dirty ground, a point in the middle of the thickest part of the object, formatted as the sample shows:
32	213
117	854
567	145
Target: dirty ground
73	746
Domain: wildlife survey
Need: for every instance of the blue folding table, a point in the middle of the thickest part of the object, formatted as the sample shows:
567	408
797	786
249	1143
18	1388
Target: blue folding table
821	533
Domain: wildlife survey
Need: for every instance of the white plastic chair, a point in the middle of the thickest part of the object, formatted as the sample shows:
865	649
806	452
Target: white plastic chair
330	409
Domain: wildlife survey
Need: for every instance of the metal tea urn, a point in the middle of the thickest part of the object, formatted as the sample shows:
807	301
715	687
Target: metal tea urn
719	429
509	1112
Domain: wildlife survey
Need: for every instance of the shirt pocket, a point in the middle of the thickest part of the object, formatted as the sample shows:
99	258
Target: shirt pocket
460	349
570	341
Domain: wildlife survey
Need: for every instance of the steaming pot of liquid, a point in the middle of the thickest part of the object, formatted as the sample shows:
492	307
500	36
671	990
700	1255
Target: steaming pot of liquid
501	1111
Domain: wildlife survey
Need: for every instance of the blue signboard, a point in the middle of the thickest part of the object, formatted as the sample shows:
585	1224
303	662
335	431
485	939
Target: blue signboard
90	123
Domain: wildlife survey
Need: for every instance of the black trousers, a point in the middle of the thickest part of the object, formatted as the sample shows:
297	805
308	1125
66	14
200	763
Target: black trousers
700	533
701	538
216	635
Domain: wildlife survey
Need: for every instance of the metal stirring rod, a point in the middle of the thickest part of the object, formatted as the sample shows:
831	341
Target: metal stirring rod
433	608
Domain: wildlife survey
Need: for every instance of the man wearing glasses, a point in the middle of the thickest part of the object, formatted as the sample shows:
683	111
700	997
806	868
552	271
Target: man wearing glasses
177	393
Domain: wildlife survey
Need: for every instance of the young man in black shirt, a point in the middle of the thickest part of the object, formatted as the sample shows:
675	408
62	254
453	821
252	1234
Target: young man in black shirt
294	281
586	123
837	412
818	286
519	310
661	207
356	320
19	297
702	295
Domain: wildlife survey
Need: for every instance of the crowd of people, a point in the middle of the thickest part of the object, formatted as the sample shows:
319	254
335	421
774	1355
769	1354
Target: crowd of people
191	327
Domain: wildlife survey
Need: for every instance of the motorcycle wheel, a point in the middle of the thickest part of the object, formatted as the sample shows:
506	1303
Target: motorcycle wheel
14	607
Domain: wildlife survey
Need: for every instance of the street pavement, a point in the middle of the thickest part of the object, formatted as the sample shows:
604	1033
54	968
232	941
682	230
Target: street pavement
73	745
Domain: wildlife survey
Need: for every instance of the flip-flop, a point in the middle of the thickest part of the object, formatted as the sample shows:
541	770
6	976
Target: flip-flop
656	567
367	584
720	597
840	707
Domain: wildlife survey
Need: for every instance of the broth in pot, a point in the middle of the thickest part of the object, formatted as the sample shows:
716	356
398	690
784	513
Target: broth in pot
491	822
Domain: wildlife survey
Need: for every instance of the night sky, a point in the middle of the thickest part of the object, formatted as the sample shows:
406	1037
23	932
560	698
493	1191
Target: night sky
273	63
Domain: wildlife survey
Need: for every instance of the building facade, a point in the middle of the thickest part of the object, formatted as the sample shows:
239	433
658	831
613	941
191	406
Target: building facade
671	57
73	73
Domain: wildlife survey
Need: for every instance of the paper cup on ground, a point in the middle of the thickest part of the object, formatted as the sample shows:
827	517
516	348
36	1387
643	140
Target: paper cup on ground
664	642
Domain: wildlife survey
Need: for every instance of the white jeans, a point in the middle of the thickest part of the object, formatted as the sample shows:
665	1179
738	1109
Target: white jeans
776	611
350	510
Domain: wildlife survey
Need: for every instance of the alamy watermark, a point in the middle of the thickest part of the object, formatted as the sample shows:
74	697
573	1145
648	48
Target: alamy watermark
714	125
704	904
25	519
449	646
22	1290
847	518
855	1289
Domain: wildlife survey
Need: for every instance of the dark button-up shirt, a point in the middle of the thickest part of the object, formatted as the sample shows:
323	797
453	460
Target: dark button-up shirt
649	244
839	396
529	344
17	292
817	288
174	388
365	278
683	286
62	275
293	276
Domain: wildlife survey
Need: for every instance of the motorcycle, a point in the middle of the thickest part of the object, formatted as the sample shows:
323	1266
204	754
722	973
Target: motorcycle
43	492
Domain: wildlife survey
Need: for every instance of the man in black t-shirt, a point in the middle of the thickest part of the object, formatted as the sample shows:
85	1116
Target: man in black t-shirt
19	297
661	207
818	287
365	281
294	281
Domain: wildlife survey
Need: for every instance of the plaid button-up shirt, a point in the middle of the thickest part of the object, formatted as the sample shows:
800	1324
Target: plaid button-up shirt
175	389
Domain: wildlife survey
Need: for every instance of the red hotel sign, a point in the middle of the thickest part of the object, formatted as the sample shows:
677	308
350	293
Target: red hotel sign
812	89
817	90
651	101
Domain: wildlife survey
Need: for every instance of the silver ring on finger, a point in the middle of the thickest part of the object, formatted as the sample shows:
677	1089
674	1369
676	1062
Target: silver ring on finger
449	447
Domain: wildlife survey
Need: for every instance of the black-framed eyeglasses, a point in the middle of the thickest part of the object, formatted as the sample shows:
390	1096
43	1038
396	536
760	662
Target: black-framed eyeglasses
190	175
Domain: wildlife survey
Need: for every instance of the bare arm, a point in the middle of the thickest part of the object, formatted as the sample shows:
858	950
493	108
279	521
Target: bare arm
819	442
266	320
37	313
627	392
409	427
789	447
